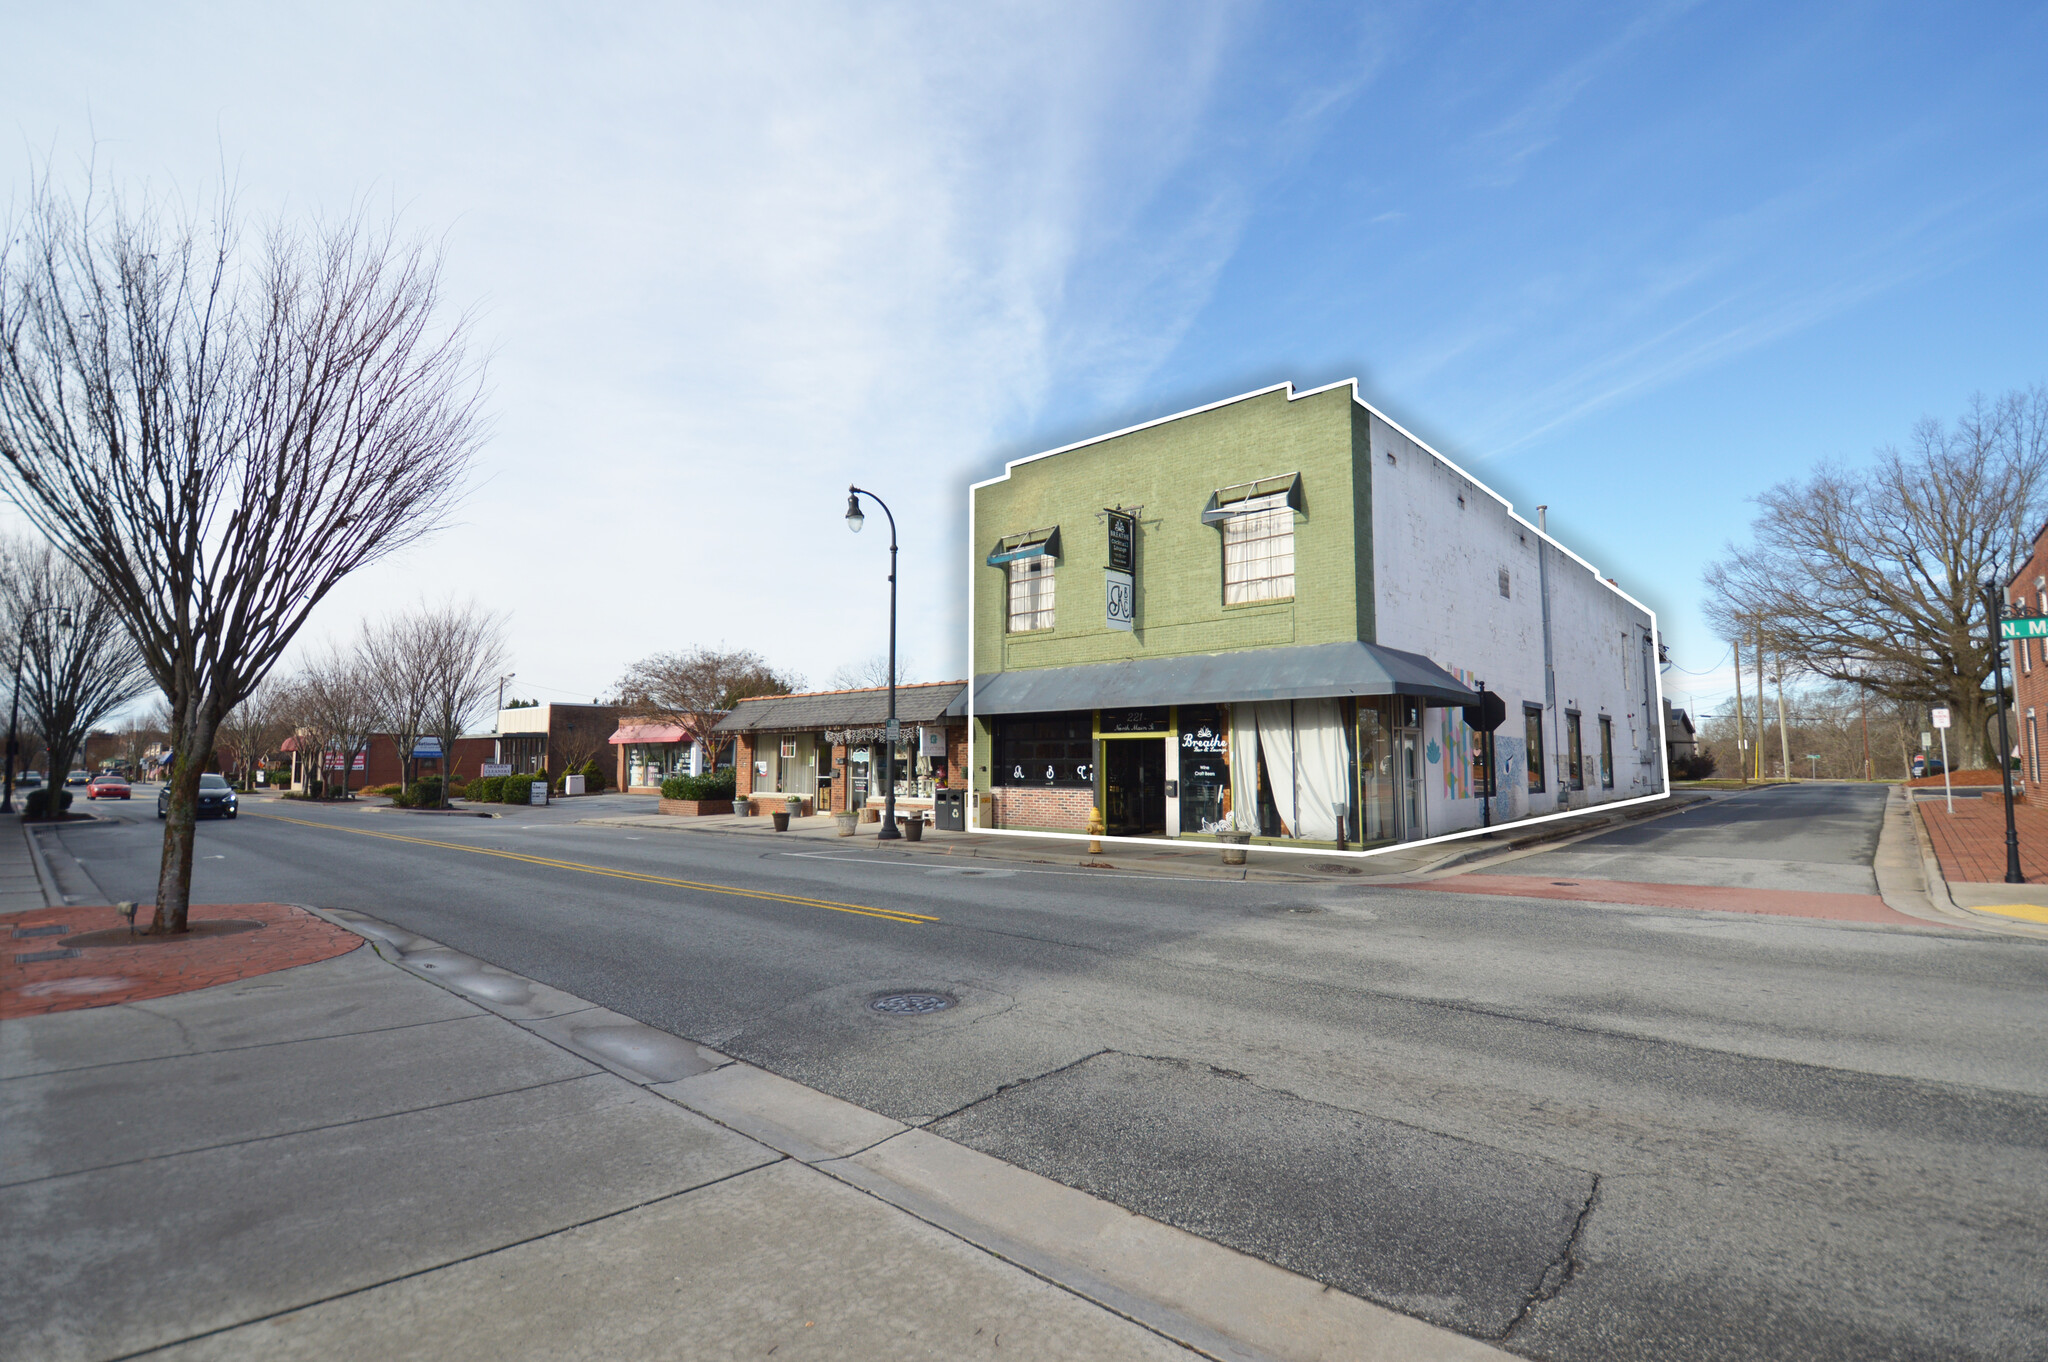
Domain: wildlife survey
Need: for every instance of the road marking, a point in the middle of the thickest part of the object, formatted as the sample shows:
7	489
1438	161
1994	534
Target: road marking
889	914
1006	871
2026	912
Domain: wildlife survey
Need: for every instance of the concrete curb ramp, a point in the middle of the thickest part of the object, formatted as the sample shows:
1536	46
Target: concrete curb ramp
1204	1296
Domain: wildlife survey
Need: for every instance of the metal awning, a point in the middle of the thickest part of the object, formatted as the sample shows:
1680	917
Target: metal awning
1320	670
1030	544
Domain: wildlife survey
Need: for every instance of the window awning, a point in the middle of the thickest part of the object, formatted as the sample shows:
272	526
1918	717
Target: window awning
1030	544
651	733
1226	502
1317	671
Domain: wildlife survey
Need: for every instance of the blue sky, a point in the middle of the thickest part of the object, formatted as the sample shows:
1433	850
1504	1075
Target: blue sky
1635	261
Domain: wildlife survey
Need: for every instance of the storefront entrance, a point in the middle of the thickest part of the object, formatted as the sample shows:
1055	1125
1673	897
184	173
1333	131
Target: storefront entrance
1133	786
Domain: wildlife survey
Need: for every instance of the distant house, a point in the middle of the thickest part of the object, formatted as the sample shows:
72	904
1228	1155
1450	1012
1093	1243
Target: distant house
1680	738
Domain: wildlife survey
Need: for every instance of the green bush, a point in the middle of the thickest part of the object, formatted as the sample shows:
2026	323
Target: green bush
595	778
717	785
485	790
519	788
37	803
1697	767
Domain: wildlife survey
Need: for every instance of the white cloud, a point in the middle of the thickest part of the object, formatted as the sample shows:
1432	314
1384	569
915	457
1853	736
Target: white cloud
729	260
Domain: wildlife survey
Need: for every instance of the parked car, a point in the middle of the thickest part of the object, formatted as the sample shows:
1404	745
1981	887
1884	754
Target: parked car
216	798
107	786
1927	766
79	777
28	780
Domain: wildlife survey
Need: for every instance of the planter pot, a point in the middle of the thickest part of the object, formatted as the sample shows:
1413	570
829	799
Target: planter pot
913	828
1234	844
846	823
796	808
781	819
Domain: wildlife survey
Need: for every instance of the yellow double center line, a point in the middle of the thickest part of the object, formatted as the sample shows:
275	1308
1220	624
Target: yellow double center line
887	914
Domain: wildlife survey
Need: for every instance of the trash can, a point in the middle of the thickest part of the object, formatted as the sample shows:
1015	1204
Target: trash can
949	810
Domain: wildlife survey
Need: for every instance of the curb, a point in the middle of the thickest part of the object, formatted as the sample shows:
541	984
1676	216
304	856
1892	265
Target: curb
45	880
1213	1300
1943	901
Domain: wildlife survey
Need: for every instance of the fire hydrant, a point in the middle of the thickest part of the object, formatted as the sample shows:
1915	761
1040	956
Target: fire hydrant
1094	832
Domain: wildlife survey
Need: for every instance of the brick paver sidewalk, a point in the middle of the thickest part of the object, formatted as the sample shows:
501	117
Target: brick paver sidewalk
1971	844
89	973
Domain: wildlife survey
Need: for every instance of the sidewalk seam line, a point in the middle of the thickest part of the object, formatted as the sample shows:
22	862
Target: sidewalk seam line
308	1130
235	1049
452	1262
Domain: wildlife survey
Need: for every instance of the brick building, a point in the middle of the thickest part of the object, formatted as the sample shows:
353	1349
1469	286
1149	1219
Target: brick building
825	747
1276	614
2027	595
556	738
378	763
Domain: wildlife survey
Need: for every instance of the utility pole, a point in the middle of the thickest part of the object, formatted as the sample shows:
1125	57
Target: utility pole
1759	699
1869	772
1784	744
1741	756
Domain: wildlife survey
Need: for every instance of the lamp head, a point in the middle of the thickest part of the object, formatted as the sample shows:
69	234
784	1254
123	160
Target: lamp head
854	518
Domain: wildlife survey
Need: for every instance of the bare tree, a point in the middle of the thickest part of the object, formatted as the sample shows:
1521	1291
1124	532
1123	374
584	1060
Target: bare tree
1872	576
78	665
397	670
332	711
871	674
253	729
696	689
463	650
219	434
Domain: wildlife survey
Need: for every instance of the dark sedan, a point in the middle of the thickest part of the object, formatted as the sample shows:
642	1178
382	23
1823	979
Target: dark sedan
107	787
216	798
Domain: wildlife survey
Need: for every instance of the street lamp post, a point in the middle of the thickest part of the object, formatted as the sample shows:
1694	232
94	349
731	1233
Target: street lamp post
1994	602
14	709
854	520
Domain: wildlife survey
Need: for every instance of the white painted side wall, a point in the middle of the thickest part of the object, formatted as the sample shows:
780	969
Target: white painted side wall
1436	587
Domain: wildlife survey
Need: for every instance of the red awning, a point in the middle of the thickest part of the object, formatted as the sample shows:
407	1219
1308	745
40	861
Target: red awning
651	733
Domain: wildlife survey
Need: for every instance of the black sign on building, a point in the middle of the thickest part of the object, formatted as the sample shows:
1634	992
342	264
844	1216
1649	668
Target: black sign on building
1123	541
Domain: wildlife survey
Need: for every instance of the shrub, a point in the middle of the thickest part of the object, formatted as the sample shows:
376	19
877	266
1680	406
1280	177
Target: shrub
717	785
595	779
1697	767
519	788
457	790
426	794
388	791
37	804
485	790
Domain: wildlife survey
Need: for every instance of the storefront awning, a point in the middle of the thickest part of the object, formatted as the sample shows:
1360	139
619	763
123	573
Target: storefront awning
1321	670
651	733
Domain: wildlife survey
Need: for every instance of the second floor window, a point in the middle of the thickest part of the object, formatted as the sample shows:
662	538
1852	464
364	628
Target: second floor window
1031	593
1258	552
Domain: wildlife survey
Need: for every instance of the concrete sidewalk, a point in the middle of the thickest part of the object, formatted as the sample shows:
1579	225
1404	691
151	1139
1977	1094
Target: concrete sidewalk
403	1152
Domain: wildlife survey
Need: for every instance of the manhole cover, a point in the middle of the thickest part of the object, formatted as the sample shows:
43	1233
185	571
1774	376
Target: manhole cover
910	1004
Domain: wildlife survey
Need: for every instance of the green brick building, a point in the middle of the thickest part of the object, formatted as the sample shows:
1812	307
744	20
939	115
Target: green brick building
1271	614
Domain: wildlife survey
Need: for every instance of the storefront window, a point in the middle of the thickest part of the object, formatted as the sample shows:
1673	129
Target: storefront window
1204	768
1375	773
1056	750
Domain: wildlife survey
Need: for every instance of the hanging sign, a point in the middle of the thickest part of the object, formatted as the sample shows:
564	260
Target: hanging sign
1123	541
1120	598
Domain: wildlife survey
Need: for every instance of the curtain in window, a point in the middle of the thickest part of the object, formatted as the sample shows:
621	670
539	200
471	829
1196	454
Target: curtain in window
1319	764
1244	768
1258	552
1031	581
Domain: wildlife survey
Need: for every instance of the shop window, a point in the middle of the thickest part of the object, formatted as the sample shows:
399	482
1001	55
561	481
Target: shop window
1532	728
1574	754
1204	767
1031	593
1056	750
1606	752
1258	552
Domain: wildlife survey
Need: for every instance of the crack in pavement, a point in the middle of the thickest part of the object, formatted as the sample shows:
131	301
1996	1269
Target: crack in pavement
1559	1271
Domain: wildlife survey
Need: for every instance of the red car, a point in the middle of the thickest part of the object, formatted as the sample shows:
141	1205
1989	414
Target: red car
106	787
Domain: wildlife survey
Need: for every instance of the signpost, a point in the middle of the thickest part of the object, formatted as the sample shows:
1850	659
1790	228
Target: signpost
1941	727
1995	610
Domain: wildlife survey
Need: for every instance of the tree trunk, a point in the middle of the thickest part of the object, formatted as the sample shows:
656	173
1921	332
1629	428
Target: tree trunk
195	737
1970	743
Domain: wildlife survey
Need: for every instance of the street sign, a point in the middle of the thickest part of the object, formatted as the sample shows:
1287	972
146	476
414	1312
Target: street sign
1941	716
1487	713
1926	740
1120	600
2025	626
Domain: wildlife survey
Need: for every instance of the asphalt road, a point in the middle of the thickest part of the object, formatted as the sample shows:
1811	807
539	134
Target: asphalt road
1587	1131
